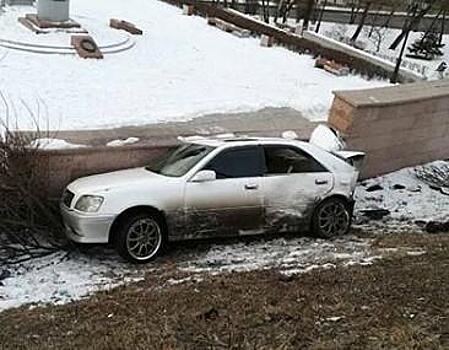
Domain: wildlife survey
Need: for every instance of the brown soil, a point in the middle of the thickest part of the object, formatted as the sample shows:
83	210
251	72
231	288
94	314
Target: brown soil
396	303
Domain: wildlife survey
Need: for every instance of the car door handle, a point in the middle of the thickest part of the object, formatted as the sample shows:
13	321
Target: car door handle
251	187
321	182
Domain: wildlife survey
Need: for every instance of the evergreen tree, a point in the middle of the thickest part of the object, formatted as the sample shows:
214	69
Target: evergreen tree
428	47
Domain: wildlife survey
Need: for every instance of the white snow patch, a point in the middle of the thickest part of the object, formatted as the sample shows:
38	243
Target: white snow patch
334	318
119	143
54	279
416	202
289	135
416	253
53	144
291	256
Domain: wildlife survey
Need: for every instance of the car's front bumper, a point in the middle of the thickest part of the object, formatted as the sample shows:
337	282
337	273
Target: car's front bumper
86	228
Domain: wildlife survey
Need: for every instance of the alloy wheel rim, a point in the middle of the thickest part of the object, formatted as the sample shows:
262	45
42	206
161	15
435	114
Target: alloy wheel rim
143	239
333	219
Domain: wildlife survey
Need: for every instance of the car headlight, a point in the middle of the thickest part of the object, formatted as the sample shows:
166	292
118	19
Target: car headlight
89	204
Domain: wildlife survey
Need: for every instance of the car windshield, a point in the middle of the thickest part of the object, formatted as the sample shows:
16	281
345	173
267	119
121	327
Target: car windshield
179	160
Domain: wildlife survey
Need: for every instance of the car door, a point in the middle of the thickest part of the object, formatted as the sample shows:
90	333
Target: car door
294	182
231	204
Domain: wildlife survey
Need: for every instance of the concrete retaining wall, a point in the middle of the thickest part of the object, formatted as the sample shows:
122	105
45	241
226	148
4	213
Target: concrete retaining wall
57	168
381	64
396	126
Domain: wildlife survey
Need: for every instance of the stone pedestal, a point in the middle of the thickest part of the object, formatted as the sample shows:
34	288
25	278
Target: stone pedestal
53	10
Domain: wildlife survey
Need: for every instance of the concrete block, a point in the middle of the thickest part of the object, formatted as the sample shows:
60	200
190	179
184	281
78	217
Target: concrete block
266	41
86	47
44	24
212	21
29	25
243	33
336	69
124	25
187	10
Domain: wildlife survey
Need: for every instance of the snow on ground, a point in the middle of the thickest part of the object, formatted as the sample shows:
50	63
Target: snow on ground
386	37
59	278
52	144
408	198
179	69
119	143
290	256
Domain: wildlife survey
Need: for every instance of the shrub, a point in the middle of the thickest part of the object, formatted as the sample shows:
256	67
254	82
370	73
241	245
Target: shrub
30	225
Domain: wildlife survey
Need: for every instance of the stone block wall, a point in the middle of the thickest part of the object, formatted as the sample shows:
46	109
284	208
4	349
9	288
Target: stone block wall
59	167
396	126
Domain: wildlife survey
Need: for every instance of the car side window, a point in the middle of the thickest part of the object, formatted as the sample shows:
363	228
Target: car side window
236	163
289	160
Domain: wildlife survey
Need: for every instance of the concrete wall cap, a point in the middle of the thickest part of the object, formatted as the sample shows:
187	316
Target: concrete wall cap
394	95
103	149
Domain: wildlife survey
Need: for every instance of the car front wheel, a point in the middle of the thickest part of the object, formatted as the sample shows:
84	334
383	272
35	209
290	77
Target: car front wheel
332	218
140	238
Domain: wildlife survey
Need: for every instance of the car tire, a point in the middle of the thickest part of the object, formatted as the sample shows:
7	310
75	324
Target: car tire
332	218
141	238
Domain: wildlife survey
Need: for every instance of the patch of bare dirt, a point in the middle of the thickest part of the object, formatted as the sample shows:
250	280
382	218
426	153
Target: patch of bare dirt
398	302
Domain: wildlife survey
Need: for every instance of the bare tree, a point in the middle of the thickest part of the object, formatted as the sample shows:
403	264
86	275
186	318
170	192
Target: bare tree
362	22
354	11
323	8
390	16
416	12
373	21
443	22
308	13
377	37
266	11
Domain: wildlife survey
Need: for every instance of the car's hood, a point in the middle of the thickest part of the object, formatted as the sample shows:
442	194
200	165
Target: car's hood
109	181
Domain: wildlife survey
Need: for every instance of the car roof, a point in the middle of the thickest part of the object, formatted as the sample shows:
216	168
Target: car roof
226	140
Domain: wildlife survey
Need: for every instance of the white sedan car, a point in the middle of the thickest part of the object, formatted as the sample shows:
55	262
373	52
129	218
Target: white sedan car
213	188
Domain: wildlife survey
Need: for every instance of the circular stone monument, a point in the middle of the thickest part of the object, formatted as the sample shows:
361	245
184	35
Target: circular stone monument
53	10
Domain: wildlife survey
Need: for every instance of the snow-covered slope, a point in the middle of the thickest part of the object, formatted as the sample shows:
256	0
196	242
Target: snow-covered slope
180	68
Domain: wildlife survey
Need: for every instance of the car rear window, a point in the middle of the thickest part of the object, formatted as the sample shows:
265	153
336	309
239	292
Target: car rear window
290	160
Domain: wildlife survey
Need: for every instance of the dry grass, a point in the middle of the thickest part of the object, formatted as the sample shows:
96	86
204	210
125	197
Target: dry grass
399	303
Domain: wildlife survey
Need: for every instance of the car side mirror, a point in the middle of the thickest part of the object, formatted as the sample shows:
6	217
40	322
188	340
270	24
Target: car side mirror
204	176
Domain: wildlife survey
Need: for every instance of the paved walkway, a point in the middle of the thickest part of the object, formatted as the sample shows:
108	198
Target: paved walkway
265	122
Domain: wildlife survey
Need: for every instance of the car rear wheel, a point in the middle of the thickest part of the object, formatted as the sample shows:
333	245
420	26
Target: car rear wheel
140	238
332	218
